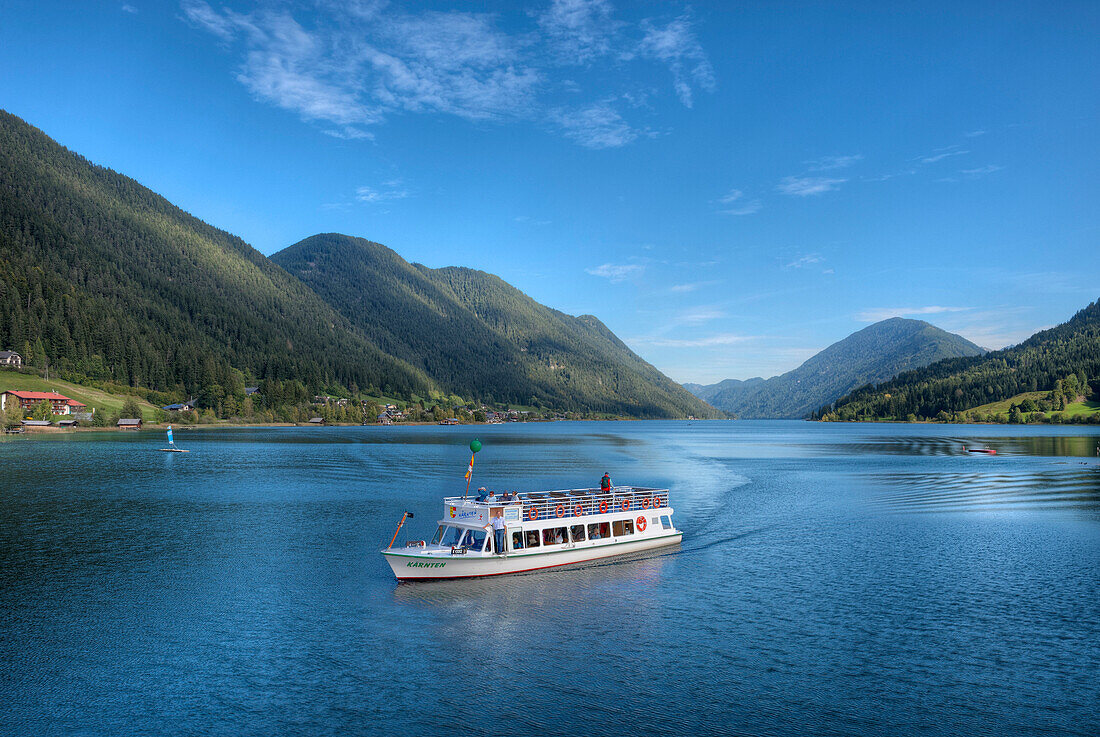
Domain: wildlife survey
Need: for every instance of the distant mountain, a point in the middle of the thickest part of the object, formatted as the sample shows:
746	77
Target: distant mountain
875	353
476	335
707	392
959	384
107	280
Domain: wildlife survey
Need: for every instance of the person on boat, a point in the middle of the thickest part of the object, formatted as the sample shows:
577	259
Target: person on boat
498	534
517	541
482	495
605	483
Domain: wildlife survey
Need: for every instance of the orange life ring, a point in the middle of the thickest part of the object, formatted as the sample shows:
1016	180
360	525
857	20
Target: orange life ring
626	504
641	524
645	503
603	507
657	502
560	511
578	511
533	514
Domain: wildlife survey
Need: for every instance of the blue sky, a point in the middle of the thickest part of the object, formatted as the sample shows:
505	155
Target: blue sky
730	187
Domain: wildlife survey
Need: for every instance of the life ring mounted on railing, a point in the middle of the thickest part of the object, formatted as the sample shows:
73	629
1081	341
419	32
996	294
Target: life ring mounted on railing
645	503
533	514
657	502
626	505
578	511
560	511
603	506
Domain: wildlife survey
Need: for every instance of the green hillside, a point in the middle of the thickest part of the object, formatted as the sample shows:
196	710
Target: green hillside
103	278
98	399
875	353
1065	359
476	335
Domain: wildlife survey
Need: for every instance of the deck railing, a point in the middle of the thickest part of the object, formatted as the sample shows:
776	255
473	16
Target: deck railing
571	503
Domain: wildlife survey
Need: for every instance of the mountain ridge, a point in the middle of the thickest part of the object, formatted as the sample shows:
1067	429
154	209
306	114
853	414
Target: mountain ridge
874	353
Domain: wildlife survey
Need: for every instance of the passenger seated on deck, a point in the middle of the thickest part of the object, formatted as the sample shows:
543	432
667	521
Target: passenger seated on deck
594	532
558	538
517	541
482	495
532	538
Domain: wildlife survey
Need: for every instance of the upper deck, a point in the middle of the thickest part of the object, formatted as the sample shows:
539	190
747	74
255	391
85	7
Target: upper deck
546	505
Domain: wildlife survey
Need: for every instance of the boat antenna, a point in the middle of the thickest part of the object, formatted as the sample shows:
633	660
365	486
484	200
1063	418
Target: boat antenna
475	446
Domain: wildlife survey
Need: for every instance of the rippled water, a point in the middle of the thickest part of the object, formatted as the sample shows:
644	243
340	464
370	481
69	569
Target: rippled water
834	579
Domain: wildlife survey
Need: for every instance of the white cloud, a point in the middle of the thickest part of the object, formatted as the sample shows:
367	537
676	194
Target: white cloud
876	314
942	153
829	163
127	8
803	261
974	133
697	315
578	30
981	171
736	204
359	62
710	340
806	186
617	272
675	45
391	190
596	126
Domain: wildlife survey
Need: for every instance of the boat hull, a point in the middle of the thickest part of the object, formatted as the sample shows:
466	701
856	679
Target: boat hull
408	566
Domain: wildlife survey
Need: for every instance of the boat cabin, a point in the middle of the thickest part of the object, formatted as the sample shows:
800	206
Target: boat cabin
536	521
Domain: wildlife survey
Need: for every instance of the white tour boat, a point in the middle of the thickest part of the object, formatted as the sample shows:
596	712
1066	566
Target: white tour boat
542	530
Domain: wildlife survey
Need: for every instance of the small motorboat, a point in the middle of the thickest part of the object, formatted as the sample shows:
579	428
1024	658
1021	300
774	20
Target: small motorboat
987	451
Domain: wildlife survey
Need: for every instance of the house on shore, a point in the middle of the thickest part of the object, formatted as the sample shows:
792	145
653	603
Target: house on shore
10	358
129	424
317	420
180	406
59	403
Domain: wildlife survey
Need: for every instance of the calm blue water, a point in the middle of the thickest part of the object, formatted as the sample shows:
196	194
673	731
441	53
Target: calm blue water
834	579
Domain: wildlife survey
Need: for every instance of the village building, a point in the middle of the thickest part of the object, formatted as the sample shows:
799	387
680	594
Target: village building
10	358
129	424
180	406
59	403
317	421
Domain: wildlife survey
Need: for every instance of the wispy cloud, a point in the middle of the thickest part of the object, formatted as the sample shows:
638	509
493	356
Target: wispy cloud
709	340
696	315
974	133
691	286
734	203
596	126
675	45
943	153
805	260
830	163
807	186
391	190
357	63
127	8
981	171
527	219
617	272
876	314
578	31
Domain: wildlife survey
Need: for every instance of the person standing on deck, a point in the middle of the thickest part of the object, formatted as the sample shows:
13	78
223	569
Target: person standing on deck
605	483
498	533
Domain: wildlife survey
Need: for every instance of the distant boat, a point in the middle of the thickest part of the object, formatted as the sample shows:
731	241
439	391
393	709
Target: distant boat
172	444
987	451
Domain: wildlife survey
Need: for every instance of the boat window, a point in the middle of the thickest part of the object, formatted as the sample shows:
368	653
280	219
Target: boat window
554	536
622	527
450	537
473	539
532	538
666	522
517	540
577	531
599	530
438	534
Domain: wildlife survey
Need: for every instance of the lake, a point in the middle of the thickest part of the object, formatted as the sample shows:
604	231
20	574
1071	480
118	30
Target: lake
833	579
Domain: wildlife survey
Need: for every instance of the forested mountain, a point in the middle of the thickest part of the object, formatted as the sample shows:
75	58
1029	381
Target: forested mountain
476	335
104	280
109	280
708	392
1040	363
875	353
